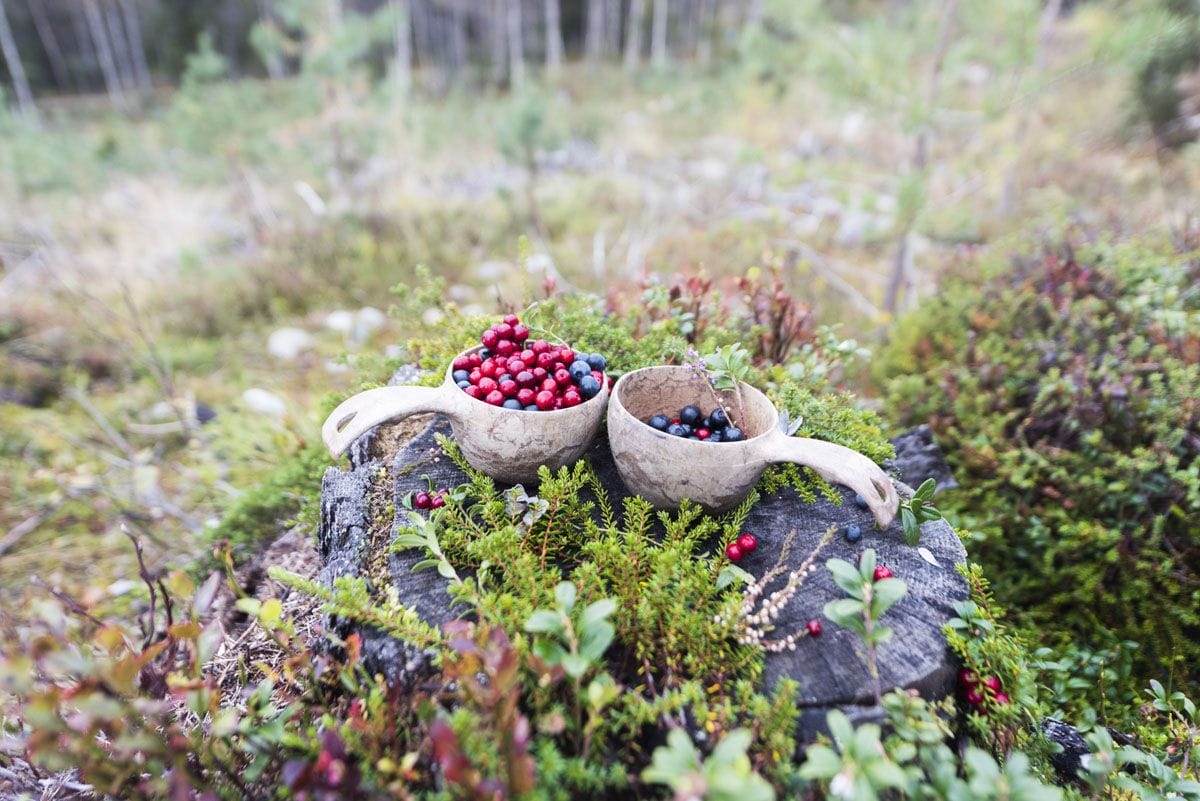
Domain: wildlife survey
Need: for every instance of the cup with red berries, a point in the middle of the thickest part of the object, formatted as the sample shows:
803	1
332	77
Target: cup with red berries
515	402
675	437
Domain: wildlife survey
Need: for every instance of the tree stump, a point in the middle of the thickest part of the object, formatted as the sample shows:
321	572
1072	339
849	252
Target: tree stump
831	671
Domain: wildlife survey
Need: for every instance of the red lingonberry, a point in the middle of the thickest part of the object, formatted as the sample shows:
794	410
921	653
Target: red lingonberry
525	395
475	359
505	347
528	356
462	363
814	627
486	385
539	374
566	355
733	552
1001	699
421	500
549	385
473	392
475	376
495	397
703	433
509	388
545	400
437	501
539	346
520	333
571	398
882	572
562	377
516	365
489	339
748	543
511	319
974	697
967	678
525	379
545	360
992	683
503	330
488	368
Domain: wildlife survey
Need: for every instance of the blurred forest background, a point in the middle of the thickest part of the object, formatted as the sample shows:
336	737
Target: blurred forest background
203	205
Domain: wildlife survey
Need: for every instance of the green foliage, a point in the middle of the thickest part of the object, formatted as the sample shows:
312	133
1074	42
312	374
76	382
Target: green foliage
725	775
869	598
286	495
1063	391
1175	52
917	510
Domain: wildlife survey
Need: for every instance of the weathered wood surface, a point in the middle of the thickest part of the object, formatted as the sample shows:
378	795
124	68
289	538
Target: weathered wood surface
830	670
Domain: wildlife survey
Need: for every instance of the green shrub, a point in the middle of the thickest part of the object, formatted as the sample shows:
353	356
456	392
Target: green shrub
1175	53
1064	391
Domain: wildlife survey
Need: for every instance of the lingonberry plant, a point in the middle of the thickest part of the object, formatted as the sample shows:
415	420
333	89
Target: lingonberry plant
917	510
872	591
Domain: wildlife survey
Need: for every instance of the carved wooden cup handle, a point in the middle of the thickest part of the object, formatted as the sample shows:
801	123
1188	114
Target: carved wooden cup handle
360	413
841	465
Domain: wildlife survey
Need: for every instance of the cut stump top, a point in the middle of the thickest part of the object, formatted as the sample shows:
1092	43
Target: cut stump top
831	671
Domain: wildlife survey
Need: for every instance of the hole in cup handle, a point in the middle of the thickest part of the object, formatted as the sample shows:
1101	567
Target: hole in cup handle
345	421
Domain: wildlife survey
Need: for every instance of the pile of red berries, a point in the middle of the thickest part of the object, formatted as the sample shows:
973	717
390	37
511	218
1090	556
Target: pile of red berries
517	373
435	499
982	692
742	546
695	424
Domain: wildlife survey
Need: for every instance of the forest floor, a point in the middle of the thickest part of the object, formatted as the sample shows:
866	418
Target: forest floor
148	261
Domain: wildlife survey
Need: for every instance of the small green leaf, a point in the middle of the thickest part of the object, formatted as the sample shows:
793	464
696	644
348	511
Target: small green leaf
597	611
595	640
912	529
887	592
846	576
574	664
544	620
564	593
730	574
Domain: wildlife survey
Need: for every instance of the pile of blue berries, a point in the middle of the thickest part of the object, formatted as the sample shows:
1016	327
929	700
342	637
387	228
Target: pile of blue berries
517	373
694	424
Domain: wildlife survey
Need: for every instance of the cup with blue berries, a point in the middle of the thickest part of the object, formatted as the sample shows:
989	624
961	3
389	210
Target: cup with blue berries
675	437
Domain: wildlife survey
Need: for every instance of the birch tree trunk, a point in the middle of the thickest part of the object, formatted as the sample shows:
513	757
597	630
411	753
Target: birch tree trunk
402	32
554	39
104	54
612	29
658	35
633	33
708	30
137	48
902	267
458	38
54	54
15	68
498	24
593	44
516	48
120	46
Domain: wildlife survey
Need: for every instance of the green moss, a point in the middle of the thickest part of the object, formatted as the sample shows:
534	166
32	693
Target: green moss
287	495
